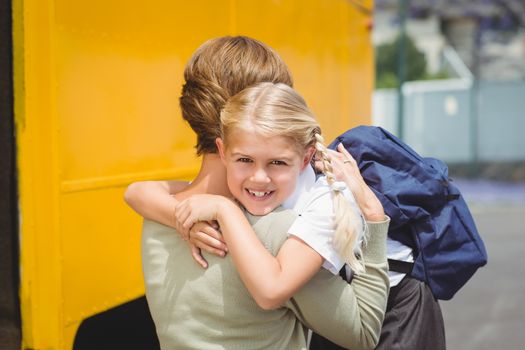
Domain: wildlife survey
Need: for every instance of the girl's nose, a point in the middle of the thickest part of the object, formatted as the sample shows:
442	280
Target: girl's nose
260	176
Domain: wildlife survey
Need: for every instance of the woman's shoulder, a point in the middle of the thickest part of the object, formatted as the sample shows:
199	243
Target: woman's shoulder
279	214
272	229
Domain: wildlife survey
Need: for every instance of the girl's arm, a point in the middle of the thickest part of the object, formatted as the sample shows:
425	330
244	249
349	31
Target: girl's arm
349	315
271	280
154	200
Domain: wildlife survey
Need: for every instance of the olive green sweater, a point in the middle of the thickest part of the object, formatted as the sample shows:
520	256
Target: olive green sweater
195	308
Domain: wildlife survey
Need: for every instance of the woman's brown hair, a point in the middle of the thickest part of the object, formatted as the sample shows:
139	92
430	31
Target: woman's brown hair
219	69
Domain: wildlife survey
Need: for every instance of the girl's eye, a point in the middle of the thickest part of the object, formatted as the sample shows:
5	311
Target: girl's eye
278	162
244	160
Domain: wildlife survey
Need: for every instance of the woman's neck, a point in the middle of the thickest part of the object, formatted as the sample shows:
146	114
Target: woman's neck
211	178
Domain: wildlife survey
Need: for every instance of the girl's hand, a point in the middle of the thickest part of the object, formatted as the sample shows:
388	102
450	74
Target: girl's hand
197	256
198	207
206	236
178	224
346	169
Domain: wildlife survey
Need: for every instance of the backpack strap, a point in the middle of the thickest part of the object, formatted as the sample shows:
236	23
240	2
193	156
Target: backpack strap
400	266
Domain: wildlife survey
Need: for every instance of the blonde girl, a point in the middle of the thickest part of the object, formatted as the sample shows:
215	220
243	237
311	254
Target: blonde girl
268	138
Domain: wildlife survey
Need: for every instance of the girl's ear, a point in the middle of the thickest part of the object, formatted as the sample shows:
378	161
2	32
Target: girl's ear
220	147
308	157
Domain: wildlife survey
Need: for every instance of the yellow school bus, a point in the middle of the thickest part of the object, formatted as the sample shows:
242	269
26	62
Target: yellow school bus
92	105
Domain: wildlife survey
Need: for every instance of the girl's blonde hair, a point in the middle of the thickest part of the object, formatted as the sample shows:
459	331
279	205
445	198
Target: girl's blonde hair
278	110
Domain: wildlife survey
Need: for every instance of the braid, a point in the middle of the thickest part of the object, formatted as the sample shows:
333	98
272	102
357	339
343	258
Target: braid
345	236
328	170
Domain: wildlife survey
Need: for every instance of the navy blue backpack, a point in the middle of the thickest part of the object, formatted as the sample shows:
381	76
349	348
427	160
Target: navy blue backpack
427	211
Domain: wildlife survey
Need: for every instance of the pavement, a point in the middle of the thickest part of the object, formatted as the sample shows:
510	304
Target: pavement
486	192
489	311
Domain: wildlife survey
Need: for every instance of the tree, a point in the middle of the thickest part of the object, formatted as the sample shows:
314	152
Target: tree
387	63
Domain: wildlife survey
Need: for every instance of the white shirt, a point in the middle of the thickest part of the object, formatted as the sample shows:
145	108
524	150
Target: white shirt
312	201
315	225
397	251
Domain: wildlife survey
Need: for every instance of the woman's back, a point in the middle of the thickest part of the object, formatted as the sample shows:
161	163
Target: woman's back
211	309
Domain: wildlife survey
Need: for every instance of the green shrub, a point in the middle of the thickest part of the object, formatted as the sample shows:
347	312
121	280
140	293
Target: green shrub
387	64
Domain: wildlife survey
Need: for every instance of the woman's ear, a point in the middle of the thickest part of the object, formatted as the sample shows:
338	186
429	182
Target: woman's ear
220	148
308	157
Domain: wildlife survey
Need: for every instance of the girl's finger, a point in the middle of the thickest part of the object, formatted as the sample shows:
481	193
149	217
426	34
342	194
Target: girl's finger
214	224
213	238
180	216
210	244
197	256
348	159
333	155
181	212
209	249
188	223
213	231
344	152
318	165
188	219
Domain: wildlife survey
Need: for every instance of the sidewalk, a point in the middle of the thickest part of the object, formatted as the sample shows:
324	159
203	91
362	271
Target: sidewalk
490	192
488	312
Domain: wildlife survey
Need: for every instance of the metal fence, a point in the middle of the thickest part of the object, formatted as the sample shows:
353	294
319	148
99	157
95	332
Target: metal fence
458	120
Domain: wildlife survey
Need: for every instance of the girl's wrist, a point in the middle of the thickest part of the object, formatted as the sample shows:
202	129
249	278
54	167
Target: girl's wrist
370	206
375	216
226	208
373	210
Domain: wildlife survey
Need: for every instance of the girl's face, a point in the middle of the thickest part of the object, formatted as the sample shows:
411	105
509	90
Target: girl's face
261	171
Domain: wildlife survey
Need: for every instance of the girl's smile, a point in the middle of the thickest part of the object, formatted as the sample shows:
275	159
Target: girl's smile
261	170
260	194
